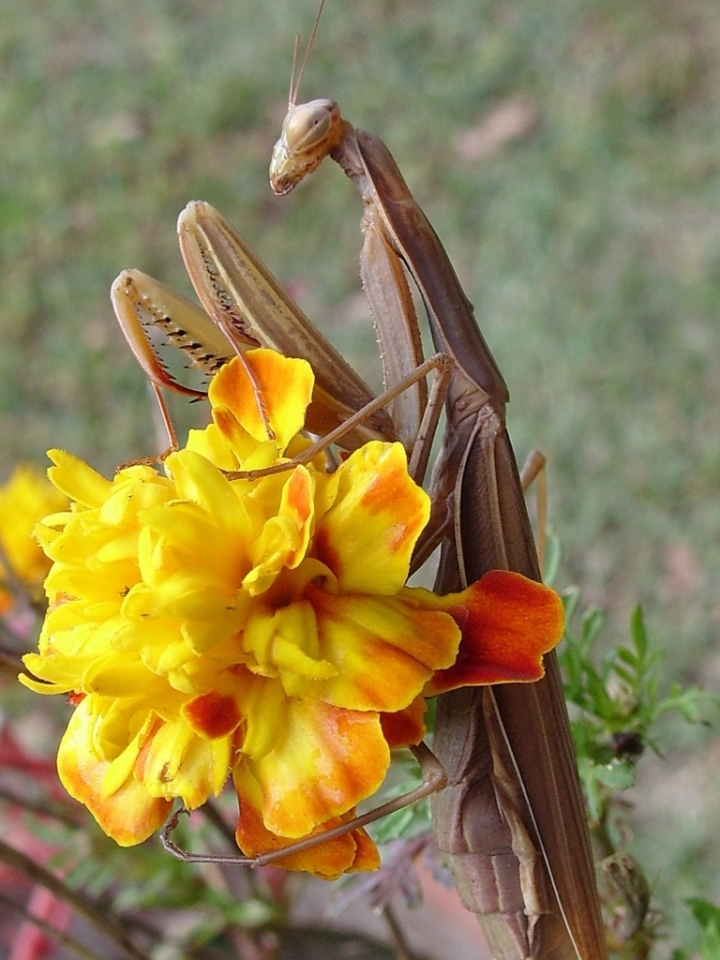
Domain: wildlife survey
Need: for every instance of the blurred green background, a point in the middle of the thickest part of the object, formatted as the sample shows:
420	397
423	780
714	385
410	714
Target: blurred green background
567	152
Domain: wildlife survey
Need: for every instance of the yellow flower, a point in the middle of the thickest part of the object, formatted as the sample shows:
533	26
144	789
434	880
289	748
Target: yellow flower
254	627
25	499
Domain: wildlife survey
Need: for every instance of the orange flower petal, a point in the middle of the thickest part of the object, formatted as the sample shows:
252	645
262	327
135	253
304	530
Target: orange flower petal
508	622
405	727
284	384
325	761
384	648
349	852
368	535
129	815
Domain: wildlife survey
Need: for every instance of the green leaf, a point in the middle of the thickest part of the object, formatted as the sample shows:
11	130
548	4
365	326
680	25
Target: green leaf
704	912
553	558
592	624
571	601
618	774
710	945
638	631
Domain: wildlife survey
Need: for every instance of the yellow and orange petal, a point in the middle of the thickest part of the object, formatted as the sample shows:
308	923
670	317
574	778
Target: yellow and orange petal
368	534
285	537
350	852
323	761
285	388
385	649
126	813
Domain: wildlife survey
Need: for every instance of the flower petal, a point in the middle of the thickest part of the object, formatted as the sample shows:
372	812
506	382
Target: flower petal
368	535
25	499
212	715
284	540
508	622
77	480
352	851
199	481
284	384
325	761
211	444
384	648
405	727
176	762
129	815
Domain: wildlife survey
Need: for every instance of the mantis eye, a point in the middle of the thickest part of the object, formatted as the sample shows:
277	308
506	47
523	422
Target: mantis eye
313	125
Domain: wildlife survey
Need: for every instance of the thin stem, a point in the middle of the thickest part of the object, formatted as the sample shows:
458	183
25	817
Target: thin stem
398	935
46	807
64	938
11	666
99	918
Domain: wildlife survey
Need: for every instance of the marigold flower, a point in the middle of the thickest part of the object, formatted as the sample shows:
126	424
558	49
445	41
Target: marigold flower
257	627
25	499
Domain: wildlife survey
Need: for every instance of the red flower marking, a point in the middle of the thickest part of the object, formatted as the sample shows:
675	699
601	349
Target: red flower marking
212	714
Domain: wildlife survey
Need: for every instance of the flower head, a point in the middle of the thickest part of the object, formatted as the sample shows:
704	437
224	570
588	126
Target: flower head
208	626
25	499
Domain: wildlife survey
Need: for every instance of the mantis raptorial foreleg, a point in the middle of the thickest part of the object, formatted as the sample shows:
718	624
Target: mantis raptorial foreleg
245	307
512	820
140	302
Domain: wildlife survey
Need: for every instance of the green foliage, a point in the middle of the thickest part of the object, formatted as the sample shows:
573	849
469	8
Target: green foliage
410	821
707	915
617	701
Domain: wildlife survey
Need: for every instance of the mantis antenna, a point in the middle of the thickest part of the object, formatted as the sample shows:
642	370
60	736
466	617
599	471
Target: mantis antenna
295	84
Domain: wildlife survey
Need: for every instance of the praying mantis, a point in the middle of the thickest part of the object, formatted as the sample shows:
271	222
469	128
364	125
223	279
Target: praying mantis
512	818
511	821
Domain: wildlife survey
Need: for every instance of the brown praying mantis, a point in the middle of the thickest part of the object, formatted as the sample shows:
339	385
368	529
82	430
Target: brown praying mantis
511	819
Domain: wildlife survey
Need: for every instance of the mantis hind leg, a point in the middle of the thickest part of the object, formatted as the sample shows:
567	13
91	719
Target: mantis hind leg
534	470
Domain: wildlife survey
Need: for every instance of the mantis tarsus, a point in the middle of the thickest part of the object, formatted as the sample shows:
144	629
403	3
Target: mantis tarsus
512	819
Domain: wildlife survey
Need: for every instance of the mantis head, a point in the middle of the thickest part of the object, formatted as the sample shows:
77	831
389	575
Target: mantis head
309	133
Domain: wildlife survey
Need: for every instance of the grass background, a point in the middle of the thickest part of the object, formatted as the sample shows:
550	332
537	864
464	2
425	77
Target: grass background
567	152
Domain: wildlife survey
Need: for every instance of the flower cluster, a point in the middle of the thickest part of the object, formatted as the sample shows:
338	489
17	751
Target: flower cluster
258	627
